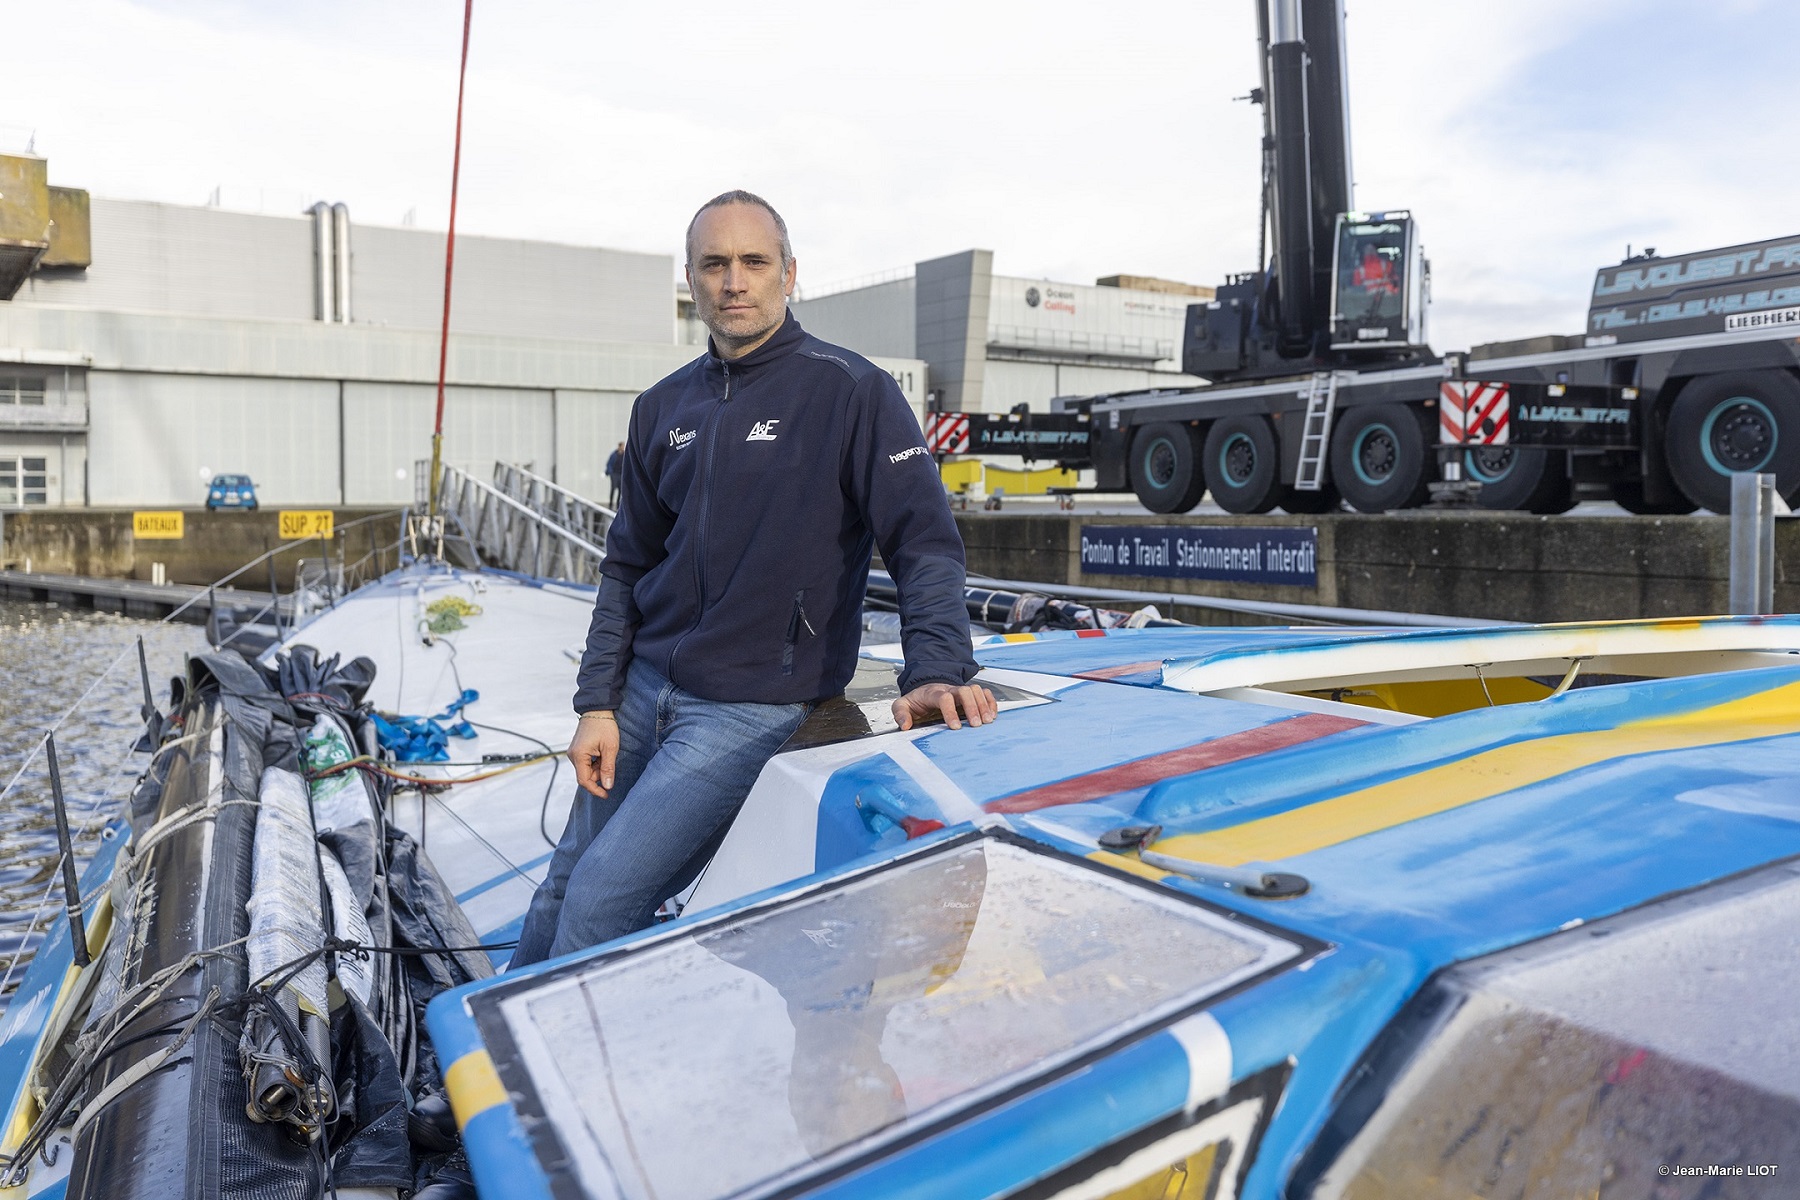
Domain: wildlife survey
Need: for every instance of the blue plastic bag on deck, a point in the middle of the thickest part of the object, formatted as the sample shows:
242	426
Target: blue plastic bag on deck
425	739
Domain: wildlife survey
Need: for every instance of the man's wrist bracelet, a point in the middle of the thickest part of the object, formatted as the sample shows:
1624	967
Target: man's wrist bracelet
603	714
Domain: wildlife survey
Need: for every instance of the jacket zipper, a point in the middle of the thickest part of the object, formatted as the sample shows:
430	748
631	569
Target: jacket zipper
793	632
705	494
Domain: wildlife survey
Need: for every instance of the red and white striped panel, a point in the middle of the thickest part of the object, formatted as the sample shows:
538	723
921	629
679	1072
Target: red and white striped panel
947	433
1473	413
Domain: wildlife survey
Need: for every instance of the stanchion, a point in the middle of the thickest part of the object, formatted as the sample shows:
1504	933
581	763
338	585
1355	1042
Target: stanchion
1753	501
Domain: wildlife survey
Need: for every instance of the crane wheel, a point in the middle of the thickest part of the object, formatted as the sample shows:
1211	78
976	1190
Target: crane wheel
1242	461
1514	477
1164	473
1379	458
1736	421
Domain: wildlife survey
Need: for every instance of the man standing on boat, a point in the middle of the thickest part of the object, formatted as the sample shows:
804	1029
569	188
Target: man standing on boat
756	481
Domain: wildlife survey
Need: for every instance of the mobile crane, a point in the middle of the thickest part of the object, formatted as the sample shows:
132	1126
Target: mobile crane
1323	388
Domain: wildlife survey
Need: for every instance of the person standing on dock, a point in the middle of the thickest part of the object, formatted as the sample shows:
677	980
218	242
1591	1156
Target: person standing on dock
756	481
615	466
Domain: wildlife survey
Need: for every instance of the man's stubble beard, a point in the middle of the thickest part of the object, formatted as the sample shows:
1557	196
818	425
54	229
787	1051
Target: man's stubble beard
766	324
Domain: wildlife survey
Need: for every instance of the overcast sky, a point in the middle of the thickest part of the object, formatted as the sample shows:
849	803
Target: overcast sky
1534	139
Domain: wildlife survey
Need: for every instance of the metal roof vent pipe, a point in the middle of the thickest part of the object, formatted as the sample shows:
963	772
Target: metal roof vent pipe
324	301
340	255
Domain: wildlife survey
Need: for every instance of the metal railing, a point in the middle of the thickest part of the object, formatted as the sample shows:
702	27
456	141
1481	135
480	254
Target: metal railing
509	533
835	286
556	504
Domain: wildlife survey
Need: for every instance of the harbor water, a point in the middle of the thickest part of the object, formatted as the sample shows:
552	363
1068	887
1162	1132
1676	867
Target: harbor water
56	661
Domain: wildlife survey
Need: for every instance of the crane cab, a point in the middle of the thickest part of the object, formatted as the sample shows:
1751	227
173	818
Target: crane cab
1380	282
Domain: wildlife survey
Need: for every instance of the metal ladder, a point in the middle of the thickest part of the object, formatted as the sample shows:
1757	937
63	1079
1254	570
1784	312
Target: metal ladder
1315	431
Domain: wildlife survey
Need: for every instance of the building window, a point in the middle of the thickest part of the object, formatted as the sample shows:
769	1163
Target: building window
18	388
40	386
24	481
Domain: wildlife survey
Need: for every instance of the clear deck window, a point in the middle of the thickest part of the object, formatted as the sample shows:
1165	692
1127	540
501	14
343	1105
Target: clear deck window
807	1033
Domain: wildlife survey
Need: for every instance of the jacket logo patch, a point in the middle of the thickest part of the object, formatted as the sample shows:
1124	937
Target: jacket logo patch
763	431
678	439
906	454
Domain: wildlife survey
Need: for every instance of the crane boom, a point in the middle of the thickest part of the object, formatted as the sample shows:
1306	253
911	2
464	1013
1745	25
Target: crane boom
1341	288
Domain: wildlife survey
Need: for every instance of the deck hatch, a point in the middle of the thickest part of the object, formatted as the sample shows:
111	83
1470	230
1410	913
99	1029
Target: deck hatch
799	1037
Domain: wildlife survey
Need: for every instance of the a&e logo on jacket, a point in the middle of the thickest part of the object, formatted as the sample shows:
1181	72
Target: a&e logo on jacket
763	431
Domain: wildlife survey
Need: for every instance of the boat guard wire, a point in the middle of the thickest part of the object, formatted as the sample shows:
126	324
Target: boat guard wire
285	548
1314	614
437	429
87	829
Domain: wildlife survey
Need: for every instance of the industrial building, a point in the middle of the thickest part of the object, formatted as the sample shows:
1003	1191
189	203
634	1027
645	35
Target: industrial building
993	342
178	342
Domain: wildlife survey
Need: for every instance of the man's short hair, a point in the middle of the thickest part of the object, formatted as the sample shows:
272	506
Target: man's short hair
740	196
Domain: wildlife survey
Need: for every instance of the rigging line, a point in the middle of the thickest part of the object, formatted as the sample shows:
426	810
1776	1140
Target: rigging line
31	755
30	929
85	832
437	429
512	866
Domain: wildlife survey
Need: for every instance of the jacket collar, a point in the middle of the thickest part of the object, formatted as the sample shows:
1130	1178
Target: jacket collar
786	338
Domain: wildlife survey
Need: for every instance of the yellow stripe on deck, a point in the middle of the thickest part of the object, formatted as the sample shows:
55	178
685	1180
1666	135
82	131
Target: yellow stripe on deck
1130	866
474	1086
1479	776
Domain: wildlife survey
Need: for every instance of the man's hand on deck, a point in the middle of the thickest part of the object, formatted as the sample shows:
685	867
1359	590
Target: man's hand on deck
940	699
594	751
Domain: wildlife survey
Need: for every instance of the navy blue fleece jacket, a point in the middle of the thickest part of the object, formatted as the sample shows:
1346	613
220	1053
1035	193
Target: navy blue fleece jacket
753	492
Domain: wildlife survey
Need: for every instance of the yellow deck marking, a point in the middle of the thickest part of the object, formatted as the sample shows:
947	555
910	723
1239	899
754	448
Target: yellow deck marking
1488	773
1129	865
474	1086
1018	637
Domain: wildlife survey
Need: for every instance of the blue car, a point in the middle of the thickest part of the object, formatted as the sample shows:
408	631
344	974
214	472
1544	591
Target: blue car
231	491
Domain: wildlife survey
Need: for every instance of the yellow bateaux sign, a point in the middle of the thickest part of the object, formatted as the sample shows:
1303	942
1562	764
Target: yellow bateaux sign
305	524
156	525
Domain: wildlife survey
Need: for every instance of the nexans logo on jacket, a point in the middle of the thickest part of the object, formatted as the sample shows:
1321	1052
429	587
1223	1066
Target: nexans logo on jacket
754	491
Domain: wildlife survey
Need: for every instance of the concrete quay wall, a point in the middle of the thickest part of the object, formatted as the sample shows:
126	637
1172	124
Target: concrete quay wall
99	544
1506	566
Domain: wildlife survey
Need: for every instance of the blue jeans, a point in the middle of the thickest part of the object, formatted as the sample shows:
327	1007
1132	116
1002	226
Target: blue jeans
685	766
